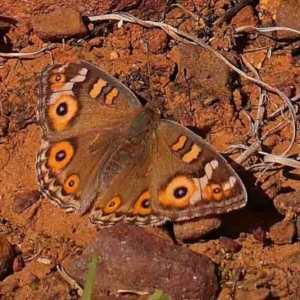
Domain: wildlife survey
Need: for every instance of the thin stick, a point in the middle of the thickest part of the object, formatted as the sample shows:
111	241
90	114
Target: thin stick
27	54
248	28
271	158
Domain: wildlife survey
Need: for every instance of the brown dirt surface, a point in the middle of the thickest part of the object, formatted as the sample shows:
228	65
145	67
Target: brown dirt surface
195	89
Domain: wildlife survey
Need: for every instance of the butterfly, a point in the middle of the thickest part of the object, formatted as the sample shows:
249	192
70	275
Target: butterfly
105	153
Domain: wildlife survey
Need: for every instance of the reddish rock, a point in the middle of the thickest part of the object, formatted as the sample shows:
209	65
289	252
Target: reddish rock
195	229
229	245
158	41
131	258
245	17
288	15
259	234
283	232
18	264
24	200
288	202
64	23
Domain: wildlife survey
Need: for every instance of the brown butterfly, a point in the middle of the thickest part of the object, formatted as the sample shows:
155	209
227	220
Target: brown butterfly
105	152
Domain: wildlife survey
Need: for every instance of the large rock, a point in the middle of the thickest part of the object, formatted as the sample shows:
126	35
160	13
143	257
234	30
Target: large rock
63	23
288	15
130	258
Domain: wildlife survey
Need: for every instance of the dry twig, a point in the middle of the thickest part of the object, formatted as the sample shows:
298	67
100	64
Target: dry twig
27	54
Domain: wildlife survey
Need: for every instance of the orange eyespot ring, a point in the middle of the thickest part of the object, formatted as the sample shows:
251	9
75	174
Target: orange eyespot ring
60	155
178	192
71	184
62	111
217	192
112	205
142	205
58	78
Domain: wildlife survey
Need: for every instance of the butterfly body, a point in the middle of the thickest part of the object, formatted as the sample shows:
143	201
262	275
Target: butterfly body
103	152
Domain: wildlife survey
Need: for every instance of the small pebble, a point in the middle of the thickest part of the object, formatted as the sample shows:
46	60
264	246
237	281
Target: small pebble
283	232
18	264
259	234
158	42
24	200
114	55
229	245
96	42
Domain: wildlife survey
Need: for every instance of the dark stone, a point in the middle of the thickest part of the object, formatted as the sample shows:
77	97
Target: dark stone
229	245
259	234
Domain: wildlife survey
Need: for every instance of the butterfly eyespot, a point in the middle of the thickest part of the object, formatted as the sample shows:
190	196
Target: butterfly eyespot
60	155
143	205
71	184
112	205
62	109
146	203
178	192
217	192
58	78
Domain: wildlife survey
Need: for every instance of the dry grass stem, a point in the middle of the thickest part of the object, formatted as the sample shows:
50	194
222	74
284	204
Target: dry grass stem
27	54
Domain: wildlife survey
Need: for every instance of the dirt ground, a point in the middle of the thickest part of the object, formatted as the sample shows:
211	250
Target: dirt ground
195	89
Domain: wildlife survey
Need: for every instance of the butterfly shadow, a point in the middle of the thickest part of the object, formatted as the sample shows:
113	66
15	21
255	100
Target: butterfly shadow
258	213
